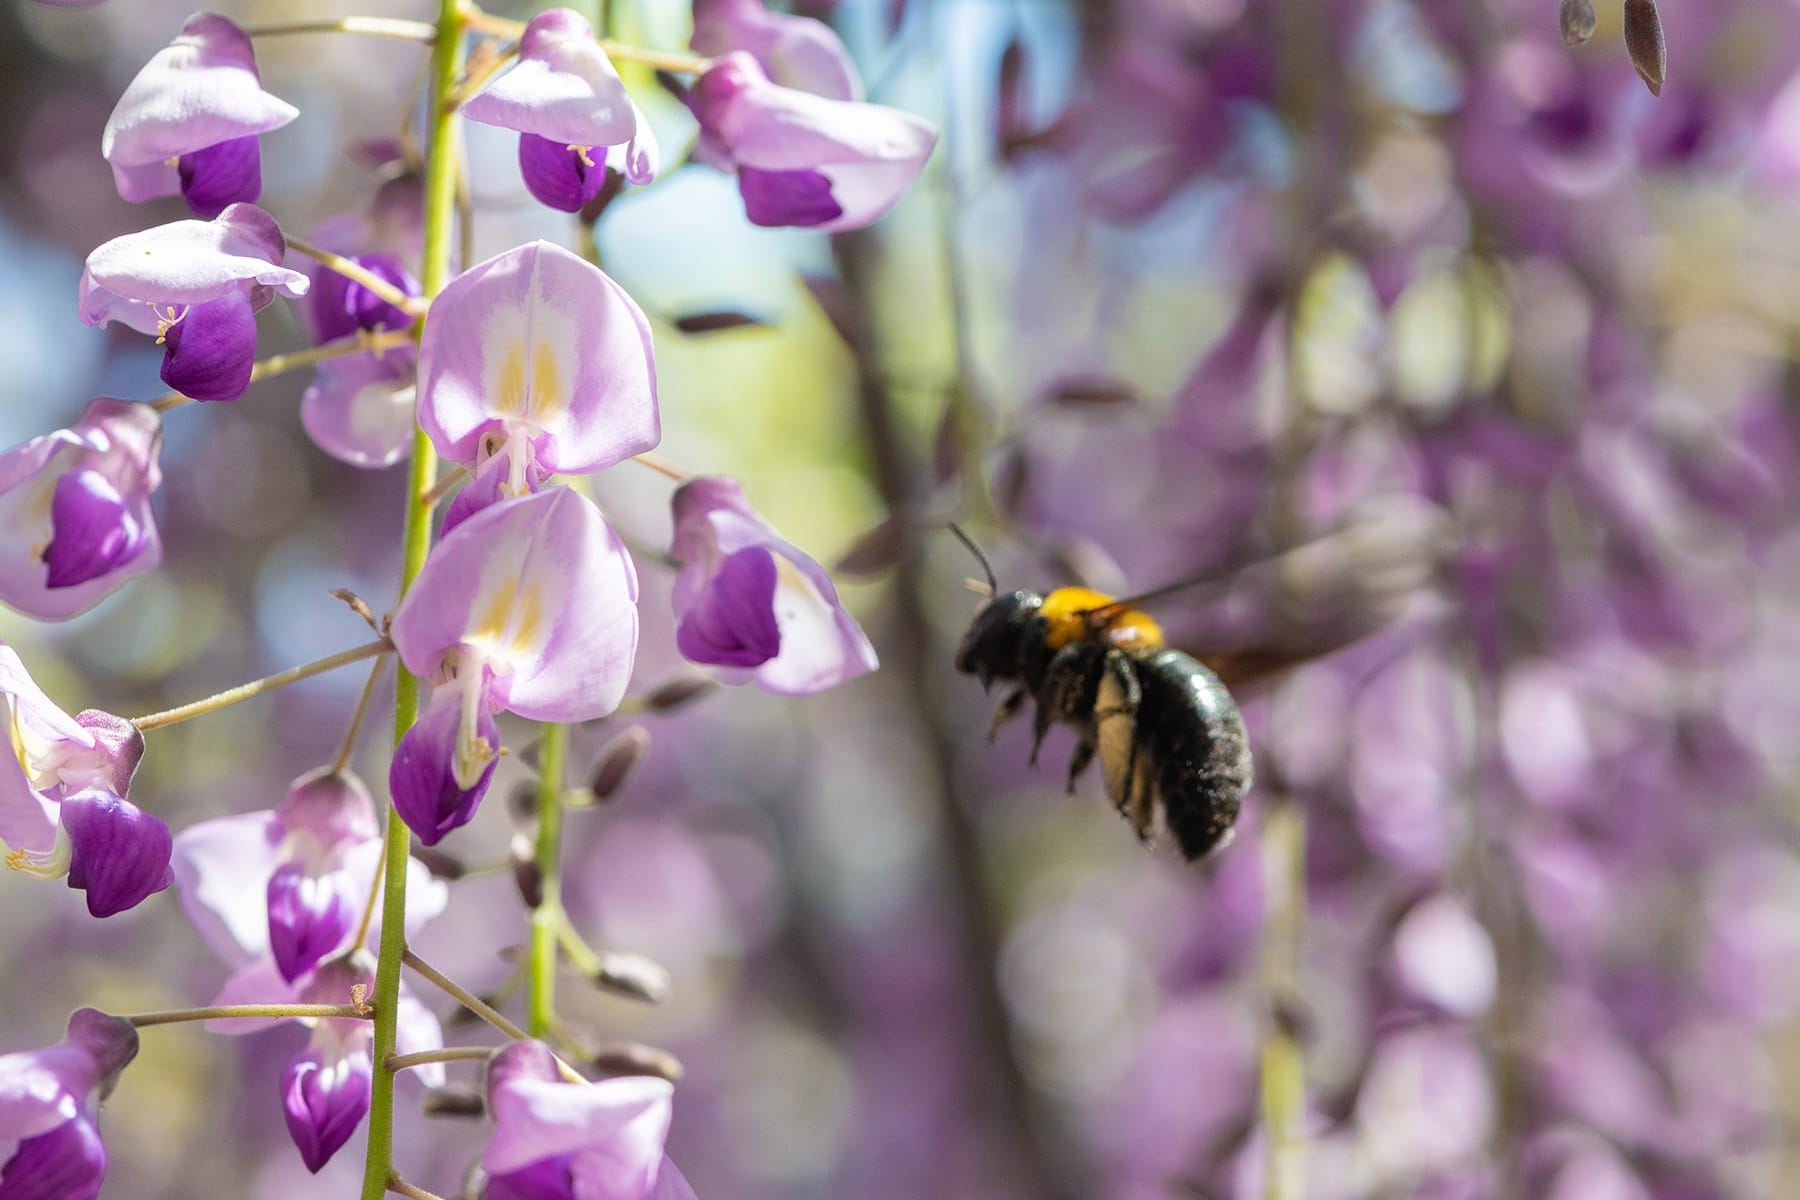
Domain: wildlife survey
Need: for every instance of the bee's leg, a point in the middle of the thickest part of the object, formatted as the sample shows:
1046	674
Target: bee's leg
1084	755
1063	696
1009	708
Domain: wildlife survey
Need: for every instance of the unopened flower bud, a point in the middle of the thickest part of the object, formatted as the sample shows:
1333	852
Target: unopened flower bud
635	1058
1577	20
453	1102
679	692
634	977
1644	40
527	875
617	760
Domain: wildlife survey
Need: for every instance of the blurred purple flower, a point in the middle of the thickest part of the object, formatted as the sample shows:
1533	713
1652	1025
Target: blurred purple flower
196	286
359	408
75	507
49	1148
803	159
795	52
529	605
564	98
536	358
274	893
556	1140
62	806
754	605
189	122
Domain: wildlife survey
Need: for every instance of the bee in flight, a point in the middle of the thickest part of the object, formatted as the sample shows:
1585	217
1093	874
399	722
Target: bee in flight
1168	735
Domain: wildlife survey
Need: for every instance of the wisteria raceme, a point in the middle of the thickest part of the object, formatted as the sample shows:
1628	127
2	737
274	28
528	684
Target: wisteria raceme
47	1100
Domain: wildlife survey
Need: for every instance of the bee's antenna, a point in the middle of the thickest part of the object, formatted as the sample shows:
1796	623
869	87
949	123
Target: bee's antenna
965	539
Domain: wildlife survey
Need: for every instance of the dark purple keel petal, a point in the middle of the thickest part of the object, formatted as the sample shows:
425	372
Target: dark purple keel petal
308	918
556	174
477	494
422	779
92	530
210	352
733	623
68	1163
545	1179
323	1102
112	1042
119	854
800	198
341	306
219	176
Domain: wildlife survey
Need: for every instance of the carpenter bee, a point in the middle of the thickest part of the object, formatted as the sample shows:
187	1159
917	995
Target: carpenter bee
1170	741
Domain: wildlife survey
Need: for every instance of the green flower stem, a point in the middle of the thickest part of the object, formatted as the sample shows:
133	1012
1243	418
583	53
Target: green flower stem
1283	1063
246	1012
547	917
280	364
393	27
584	957
400	1187
405	1062
440	208
464	996
256	687
356	273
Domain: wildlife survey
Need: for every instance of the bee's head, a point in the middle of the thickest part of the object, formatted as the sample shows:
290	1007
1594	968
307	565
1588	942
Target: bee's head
990	650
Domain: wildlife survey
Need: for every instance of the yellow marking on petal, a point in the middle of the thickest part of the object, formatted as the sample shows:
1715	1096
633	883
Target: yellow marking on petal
509	393
546	383
508	627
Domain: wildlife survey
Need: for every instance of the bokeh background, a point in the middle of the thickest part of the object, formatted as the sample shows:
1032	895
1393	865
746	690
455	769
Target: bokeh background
1460	367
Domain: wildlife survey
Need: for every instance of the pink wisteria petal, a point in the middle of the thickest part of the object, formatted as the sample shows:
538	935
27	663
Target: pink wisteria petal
38	732
821	645
869	152
564	87
360	409
670	1184
540	344
426	895
796	52
119	440
544	592
198	91
185	262
222	868
639	159
418	1030
615	1128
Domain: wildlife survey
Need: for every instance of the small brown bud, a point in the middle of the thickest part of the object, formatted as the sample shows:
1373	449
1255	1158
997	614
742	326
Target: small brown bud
442	865
677	693
634	977
1577	19
617	758
453	1102
526	873
1644	40
875	551
635	1058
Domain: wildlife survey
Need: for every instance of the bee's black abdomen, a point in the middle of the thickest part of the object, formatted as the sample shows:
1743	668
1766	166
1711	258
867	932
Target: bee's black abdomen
1189	727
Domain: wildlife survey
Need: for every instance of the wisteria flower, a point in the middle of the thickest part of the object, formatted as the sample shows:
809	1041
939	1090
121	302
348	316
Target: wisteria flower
536	362
795	52
564	98
359	408
49	1147
274	893
189	122
63	811
753	604
557	1140
530	606
803	159
75	505
197	287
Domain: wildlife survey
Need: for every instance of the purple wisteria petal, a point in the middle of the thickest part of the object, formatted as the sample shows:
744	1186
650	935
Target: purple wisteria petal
795	52
259	982
723	607
139	277
359	409
118	748
222	868
564	88
800	198
670	1184
538	590
868	154
62	554
219	176
431	795
640	159
417	1029
540	347
68	1163
43	737
340	306
46	1109
198	92
309	916
610	1133
324	1099
210	351
487	488
119	853
559	175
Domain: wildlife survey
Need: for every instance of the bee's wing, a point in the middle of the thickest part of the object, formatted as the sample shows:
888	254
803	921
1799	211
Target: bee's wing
1121	755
